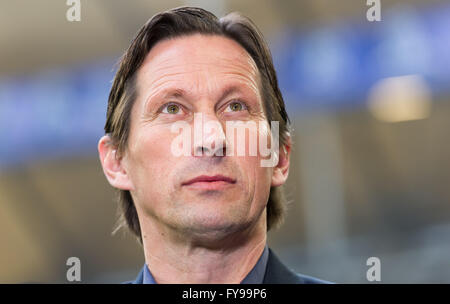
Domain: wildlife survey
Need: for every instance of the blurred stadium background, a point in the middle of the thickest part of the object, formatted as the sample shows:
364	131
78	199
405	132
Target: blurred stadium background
370	103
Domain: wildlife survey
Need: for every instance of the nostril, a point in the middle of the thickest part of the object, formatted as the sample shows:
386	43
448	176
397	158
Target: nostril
221	150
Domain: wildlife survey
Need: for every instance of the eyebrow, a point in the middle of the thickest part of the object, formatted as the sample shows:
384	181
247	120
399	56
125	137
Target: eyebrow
165	94
228	91
179	93
173	93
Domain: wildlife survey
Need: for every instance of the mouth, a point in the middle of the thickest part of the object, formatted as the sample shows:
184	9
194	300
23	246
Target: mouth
206	182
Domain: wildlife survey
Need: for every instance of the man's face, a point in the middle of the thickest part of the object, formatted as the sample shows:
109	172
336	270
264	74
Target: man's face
216	77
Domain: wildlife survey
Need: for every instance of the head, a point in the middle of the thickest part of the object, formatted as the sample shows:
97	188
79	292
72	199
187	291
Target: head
183	62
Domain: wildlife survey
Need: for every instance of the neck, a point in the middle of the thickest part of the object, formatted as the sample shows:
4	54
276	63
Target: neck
173	258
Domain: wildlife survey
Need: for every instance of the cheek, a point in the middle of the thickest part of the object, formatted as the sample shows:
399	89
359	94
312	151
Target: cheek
258	181
262	176
258	177
150	154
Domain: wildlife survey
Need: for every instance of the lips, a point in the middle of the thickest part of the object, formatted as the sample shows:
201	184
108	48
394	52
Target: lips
209	179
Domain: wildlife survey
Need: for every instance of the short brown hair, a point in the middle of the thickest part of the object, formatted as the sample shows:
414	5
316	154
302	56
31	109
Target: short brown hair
174	23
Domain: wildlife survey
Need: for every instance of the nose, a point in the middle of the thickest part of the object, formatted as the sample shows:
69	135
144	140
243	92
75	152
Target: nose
209	136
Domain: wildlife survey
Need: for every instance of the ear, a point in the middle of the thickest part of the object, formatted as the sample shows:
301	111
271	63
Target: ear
113	166
281	170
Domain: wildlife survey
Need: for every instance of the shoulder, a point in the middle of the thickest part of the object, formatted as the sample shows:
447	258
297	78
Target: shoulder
278	273
139	279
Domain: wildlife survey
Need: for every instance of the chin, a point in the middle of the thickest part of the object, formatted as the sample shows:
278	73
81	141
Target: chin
213	224
215	229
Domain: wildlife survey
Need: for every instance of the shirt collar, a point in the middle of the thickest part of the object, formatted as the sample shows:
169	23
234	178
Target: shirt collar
255	276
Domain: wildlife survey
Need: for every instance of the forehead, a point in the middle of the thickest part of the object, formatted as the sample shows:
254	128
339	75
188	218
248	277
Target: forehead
197	58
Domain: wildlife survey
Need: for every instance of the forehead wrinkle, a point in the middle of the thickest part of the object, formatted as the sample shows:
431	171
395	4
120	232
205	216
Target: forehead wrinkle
196	83
249	82
181	47
153	90
170	61
169	67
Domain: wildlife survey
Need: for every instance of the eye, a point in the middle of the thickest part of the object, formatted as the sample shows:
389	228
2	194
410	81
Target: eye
236	106
171	108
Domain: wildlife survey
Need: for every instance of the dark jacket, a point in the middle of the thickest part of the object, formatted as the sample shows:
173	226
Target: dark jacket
276	273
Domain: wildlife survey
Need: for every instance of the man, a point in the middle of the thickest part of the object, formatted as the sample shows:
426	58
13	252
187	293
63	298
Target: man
202	217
